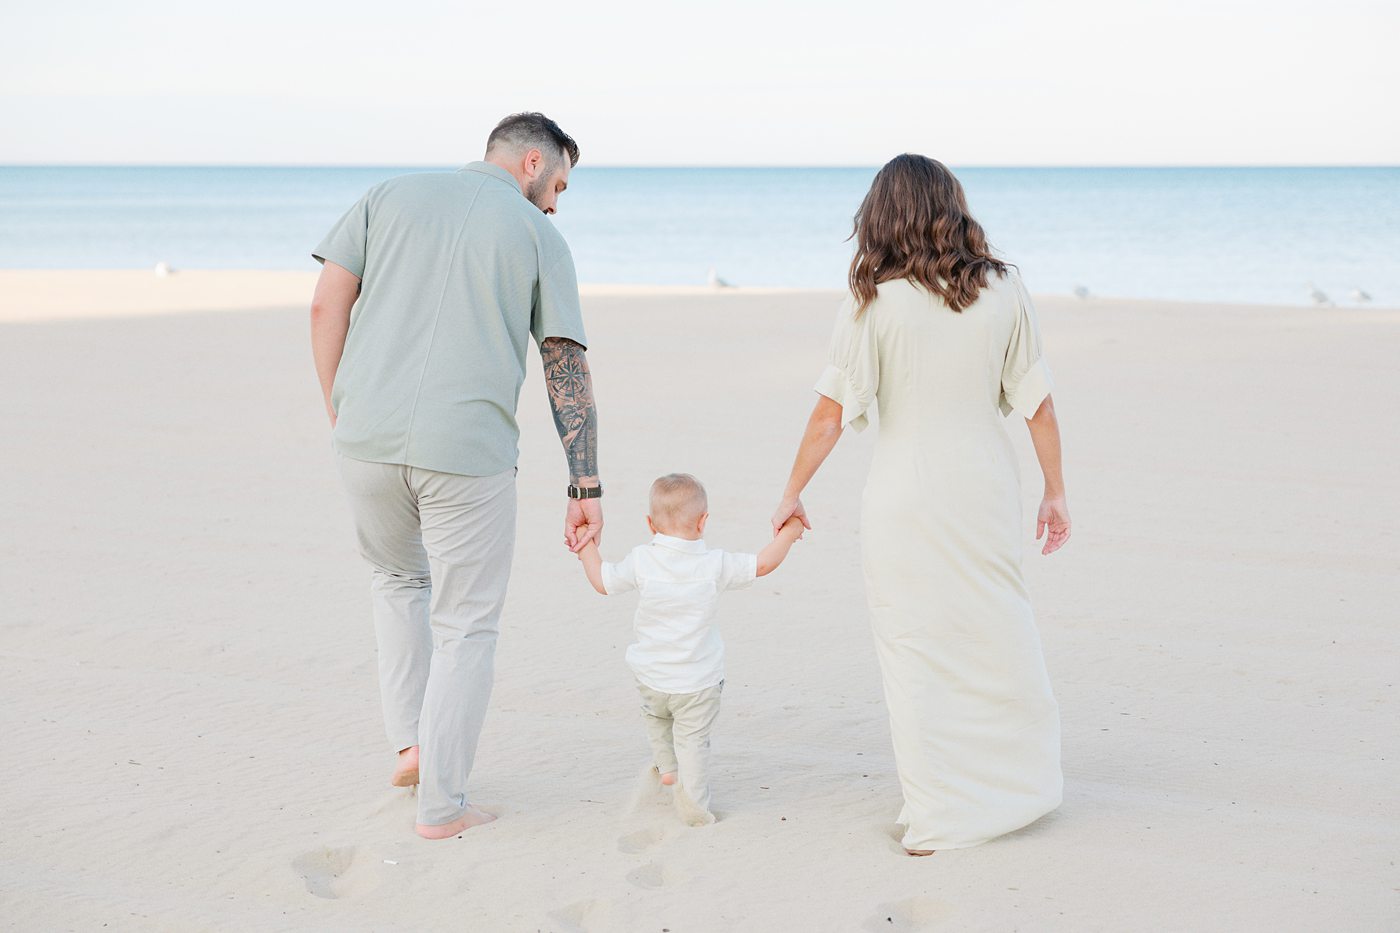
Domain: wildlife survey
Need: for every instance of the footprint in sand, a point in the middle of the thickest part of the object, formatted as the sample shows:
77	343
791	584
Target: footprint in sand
640	841
910	914
581	917
335	873
652	875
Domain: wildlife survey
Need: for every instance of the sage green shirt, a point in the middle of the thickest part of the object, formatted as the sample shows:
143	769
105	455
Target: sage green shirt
457	271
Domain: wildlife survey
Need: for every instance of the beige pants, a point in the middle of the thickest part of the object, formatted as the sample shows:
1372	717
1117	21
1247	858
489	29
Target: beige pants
440	548
678	725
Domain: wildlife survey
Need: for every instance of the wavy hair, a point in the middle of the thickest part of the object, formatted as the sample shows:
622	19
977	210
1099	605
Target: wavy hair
914	224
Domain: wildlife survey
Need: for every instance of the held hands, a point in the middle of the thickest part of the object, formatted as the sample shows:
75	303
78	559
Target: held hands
790	507
792	528
583	522
1054	518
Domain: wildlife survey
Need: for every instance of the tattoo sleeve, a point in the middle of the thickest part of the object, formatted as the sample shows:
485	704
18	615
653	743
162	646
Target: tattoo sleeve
570	388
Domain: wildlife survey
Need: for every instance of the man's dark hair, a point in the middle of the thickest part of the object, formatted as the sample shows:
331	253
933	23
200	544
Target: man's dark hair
525	131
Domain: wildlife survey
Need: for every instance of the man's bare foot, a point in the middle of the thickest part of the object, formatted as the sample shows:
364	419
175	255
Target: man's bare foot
406	770
473	817
668	778
919	853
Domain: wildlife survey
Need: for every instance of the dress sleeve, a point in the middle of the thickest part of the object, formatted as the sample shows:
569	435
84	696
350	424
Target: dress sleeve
738	571
1025	375
345	244
852	374
620	577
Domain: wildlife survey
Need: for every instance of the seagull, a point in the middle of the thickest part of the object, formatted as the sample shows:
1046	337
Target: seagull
1358	295
1318	296
162	269
1081	291
717	282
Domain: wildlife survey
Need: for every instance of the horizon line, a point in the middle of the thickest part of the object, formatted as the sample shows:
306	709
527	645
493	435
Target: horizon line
733	165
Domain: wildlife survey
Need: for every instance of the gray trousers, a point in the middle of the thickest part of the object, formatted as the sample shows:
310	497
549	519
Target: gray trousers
678	725
440	546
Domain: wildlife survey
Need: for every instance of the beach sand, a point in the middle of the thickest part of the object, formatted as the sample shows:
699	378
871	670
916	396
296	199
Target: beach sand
188	679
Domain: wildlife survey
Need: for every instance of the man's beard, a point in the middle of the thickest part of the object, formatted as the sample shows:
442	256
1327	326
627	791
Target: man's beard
535	190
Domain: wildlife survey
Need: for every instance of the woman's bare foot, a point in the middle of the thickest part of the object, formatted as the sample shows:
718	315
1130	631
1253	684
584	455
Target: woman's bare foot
919	853
473	817
406	771
668	778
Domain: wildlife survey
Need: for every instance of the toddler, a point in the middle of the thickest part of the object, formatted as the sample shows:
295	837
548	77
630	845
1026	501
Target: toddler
678	657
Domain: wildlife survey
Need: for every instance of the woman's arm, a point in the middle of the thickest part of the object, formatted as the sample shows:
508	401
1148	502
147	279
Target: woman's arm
823	431
1054	513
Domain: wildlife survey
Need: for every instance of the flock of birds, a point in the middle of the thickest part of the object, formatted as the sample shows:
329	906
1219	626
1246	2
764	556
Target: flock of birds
1318	296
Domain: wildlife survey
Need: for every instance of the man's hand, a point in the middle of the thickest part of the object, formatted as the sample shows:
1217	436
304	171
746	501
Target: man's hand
583	523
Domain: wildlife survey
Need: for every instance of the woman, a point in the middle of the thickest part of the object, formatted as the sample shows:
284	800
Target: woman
941	335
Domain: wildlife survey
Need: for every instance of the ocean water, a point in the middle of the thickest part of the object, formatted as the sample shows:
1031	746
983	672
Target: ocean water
1234	234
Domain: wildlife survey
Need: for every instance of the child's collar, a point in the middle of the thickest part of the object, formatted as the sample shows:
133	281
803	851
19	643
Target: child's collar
679	544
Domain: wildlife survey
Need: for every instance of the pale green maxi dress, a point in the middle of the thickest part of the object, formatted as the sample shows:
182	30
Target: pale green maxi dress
975	726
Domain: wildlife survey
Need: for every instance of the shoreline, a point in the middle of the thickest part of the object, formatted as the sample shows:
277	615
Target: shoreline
38	295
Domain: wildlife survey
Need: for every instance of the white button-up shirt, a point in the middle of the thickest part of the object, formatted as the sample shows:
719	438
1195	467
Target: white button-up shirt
678	648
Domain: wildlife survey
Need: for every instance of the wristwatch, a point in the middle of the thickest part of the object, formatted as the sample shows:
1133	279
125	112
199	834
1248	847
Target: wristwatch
586	492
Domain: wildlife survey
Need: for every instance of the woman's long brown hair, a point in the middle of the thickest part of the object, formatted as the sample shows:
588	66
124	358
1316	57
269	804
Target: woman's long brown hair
914	224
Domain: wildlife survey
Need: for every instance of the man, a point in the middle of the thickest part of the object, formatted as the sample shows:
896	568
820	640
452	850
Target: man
448	276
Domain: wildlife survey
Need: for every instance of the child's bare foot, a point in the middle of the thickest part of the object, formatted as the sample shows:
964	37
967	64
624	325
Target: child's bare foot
473	817
668	778
406	771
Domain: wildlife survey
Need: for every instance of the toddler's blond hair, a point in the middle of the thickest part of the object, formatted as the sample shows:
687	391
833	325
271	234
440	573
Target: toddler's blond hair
677	500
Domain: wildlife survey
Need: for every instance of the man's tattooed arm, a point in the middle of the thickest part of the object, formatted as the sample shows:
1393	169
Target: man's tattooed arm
570	388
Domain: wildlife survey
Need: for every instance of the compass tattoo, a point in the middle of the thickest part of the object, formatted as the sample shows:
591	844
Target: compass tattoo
570	388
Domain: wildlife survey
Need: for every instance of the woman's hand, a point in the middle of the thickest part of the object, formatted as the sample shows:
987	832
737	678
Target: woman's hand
790	507
1054	519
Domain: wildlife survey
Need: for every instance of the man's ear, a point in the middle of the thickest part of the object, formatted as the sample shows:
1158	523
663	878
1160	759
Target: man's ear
534	163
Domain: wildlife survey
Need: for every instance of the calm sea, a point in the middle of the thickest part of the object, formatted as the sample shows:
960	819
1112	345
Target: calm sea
1235	234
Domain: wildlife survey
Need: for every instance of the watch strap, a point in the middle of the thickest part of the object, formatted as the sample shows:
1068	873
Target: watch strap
586	492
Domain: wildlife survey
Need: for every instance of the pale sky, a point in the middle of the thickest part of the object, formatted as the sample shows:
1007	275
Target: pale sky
1072	82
